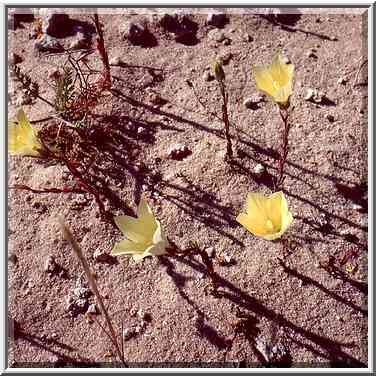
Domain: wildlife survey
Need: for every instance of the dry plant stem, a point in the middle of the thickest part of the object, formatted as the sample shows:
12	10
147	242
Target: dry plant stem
90	189
358	71
284	148
225	119
106	73
93	285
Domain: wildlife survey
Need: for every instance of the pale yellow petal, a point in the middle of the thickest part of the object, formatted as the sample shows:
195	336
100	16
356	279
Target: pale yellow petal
286	216
256	206
256	228
267	217
125	247
133	229
158	249
264	80
278	71
159	236
273	208
283	94
143	209
22	138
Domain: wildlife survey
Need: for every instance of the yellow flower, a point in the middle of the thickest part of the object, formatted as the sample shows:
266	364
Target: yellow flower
266	217
23	139
144	234
276	79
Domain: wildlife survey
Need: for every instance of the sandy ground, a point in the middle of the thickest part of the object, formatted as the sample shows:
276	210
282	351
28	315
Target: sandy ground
312	315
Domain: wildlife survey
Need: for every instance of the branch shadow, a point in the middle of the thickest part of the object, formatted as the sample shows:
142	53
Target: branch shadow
328	229
286	22
119	140
355	194
331	349
202	206
309	281
324	211
17	333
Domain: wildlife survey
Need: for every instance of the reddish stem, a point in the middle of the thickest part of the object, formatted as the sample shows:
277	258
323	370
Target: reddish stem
284	148
226	120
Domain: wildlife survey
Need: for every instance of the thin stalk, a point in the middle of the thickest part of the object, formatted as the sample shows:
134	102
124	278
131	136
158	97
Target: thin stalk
93	285
90	189
284	148
225	119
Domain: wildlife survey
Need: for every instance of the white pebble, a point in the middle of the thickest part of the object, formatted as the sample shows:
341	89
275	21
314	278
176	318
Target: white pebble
92	309
116	60
259	169
357	207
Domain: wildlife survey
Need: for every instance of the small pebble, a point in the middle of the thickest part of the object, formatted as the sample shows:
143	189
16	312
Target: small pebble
252	102
40	207
225	259
210	251
314	95
248	103
216	35
357	207
80	42
179	151
342	80
156	99
48	44
227	42
136	32
82	292
116	60
50	265
247	37
141	314
344	232
312	53
259	169
141	131
101	256
207	76
92	309
216	19
128	333
13	258
14	59
329	117
285	59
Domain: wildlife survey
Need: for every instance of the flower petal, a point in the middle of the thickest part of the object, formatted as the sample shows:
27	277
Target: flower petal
264	80
252	225
127	247
143	210
133	228
159	236
256	206
266	217
274	209
22	138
